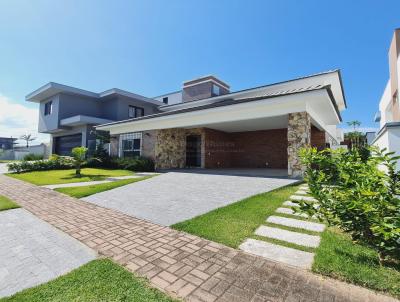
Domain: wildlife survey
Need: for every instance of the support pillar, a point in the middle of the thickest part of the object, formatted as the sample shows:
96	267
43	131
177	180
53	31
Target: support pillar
299	136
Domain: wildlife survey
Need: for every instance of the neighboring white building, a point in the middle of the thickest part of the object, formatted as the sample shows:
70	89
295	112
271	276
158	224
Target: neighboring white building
388	115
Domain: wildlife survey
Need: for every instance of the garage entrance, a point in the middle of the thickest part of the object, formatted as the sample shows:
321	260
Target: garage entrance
63	145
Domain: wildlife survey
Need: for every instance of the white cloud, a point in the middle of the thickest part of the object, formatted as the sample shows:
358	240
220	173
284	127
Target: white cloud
17	119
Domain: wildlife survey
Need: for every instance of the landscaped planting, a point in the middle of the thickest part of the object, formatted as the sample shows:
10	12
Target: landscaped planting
54	163
99	280
355	195
68	176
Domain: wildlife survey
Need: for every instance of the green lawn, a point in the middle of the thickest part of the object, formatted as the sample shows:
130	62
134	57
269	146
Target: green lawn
337	256
79	192
232	224
7	204
5	161
99	280
52	177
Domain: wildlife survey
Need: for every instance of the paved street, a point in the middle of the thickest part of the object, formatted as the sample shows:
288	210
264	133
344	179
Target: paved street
3	168
178	263
33	252
174	196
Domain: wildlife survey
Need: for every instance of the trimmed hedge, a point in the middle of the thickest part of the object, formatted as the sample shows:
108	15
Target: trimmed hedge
54	163
137	164
32	156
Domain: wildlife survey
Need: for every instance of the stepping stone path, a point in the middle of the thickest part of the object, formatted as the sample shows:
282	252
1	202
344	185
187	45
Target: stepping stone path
303	198
280	253
289	203
289	236
295	223
301	192
290	212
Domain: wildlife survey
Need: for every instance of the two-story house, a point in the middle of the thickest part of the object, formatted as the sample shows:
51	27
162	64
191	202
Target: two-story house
388	115
69	114
204	124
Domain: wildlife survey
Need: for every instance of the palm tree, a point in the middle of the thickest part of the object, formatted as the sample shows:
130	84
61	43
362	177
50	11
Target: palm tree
354	124
28	138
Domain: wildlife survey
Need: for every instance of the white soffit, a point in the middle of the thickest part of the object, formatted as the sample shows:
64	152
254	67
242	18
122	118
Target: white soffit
244	112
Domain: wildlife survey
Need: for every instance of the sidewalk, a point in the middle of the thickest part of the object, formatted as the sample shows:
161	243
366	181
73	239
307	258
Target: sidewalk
180	264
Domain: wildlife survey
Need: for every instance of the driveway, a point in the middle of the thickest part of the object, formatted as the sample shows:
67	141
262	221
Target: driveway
174	196
33	252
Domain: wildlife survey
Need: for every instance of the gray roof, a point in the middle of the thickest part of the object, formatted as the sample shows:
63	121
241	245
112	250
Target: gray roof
230	101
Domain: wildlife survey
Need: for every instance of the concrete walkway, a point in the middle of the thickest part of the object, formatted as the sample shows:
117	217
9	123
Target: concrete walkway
178	263
173	197
33	252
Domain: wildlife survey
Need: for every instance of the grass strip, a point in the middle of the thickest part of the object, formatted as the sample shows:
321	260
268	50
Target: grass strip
80	192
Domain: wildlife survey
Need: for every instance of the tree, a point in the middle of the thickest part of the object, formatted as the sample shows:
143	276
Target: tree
28	138
354	124
79	156
357	139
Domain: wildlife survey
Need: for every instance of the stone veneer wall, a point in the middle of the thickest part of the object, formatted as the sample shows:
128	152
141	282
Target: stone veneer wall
170	147
299	136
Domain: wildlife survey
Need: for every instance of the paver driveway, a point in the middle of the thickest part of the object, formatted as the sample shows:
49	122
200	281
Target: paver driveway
32	251
173	197
180	264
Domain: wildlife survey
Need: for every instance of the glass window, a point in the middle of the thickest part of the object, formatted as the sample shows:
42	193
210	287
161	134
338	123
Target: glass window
165	100
135	112
215	90
48	108
131	112
130	144
139	112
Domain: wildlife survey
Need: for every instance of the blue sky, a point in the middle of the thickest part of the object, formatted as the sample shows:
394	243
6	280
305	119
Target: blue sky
151	47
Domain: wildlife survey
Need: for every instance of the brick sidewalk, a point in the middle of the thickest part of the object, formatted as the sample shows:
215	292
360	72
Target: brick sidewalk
180	264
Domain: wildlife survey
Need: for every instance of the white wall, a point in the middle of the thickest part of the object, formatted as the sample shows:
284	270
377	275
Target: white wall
390	139
385	106
173	98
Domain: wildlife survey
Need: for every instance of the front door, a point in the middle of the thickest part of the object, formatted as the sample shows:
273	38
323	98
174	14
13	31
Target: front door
193	151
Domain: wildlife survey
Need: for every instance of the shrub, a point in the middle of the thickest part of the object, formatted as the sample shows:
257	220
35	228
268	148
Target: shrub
356	195
32	156
139	164
54	163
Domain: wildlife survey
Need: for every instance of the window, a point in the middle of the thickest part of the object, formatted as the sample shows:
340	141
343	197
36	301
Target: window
135	112
215	90
130	144
48	108
165	100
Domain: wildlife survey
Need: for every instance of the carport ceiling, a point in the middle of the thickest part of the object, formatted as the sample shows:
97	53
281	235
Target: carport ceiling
276	122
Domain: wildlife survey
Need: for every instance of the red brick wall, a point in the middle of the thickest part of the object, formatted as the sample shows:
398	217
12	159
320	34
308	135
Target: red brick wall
251	149
318	138
218	147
